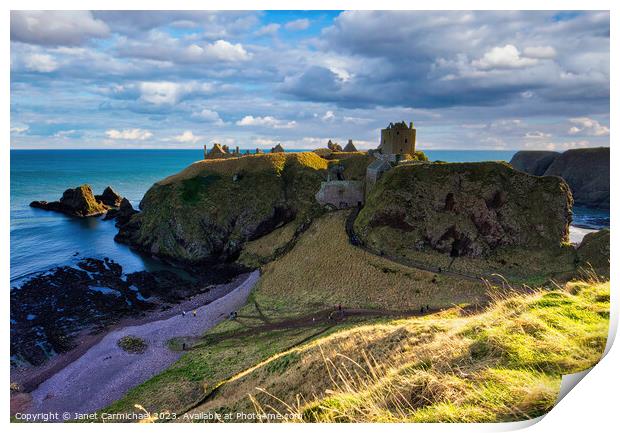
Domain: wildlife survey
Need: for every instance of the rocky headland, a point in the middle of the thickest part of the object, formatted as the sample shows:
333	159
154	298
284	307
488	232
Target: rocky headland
206	213
585	170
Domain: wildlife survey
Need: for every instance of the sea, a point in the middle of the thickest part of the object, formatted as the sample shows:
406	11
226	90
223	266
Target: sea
41	240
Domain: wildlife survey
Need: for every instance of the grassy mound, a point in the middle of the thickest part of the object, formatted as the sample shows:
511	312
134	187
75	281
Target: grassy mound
132	344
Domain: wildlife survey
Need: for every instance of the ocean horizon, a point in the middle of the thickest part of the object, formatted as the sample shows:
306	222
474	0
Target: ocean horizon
41	240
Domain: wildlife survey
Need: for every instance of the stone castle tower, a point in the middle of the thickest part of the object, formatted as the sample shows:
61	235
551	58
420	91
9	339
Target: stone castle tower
398	139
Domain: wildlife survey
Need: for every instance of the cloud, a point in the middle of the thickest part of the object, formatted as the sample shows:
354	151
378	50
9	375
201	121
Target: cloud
536	135
219	50
40	63
170	93
266	121
269	29
161	46
19	129
187	137
587	126
543	52
328	116
129	134
56	27
299	24
506	57
209	116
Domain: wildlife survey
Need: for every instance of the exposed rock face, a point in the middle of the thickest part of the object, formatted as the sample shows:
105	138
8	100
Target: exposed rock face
109	197
123	214
587	173
593	252
79	202
205	213
465	209
533	162
585	170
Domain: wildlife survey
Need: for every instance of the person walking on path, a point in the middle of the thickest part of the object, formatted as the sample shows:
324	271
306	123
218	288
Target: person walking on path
194	313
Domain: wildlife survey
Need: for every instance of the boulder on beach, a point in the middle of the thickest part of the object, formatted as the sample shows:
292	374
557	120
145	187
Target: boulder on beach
109	197
472	210
78	202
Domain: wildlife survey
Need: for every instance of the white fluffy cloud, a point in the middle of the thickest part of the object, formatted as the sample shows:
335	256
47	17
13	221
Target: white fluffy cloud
40	63
506	57
187	137
170	93
129	134
210	116
56	27
220	50
587	126
266	121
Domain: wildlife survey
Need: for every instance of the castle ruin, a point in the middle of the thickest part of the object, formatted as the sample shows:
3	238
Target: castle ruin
397	140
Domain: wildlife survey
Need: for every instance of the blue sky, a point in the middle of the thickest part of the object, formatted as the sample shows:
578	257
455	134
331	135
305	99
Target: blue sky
468	80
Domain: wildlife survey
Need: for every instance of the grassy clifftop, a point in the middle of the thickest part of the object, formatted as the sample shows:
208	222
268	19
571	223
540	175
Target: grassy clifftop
209	210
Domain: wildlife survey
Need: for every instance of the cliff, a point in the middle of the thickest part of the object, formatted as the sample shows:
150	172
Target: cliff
534	162
587	173
585	170
484	212
208	211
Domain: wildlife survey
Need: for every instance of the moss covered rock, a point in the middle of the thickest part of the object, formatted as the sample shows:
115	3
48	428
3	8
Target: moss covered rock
465	210
593	252
79	202
209	210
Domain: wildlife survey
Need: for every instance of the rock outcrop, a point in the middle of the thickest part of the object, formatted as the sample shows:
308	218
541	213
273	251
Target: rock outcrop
593	253
109	197
534	162
585	170
208	211
78	202
123	214
464	210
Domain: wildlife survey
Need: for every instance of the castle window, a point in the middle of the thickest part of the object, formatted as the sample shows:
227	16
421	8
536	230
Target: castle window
405	140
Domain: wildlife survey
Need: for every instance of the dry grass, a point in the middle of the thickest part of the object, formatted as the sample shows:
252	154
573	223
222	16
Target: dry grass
502	365
324	269
249	163
260	251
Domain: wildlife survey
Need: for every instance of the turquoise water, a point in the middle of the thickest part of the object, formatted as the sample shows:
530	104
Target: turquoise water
41	240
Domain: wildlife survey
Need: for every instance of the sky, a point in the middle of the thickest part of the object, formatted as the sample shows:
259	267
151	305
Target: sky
468	80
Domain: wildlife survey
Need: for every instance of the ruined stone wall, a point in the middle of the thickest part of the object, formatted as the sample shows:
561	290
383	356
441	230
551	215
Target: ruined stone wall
341	194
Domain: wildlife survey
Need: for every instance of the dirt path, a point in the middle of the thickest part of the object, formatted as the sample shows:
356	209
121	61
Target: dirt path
105	372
